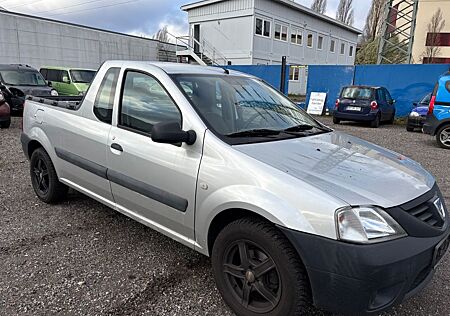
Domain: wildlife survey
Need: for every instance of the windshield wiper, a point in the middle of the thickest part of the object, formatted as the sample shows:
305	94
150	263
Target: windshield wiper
255	133
305	128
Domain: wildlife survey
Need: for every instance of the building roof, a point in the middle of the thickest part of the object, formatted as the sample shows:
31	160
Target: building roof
289	3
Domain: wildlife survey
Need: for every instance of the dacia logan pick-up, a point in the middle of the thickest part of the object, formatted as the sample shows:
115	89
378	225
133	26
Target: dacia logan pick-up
290	211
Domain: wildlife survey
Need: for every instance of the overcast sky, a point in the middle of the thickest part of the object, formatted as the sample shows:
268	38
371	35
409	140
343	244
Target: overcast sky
139	17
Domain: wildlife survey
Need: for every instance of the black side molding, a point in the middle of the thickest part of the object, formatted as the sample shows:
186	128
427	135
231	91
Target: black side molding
81	162
140	187
149	191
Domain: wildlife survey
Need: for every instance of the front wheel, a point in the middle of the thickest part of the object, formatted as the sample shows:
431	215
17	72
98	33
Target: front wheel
443	137
44	178
257	271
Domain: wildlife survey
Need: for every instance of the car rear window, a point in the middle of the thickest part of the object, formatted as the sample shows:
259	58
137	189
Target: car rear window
356	93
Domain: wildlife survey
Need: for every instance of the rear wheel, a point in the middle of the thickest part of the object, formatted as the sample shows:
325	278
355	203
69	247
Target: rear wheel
336	120
44	178
5	124
443	137
409	128
376	122
257	271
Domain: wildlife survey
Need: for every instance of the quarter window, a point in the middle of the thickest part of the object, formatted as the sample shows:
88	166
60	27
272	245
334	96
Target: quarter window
104	101
332	45
320	42
310	40
281	32
145	103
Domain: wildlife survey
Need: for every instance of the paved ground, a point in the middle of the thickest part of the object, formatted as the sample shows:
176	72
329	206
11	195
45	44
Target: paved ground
81	258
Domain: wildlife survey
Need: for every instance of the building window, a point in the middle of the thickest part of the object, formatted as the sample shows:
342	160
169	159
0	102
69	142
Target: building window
281	32
310	40
332	45
320	42
262	27
296	37
342	48
351	51
438	39
294	73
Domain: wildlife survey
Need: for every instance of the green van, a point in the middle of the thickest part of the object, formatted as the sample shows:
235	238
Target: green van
68	81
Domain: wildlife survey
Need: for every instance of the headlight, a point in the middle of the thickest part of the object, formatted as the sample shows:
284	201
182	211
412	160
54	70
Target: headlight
54	93
414	114
81	93
366	224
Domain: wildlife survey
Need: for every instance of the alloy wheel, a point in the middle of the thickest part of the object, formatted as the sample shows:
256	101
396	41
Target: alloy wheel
41	176
252	276
445	136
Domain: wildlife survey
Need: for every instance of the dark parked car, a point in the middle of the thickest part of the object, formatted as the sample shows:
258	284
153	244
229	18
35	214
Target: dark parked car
17	81
418	115
5	114
364	104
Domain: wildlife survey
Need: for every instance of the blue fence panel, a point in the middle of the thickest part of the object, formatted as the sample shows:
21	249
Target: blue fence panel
329	79
269	73
406	83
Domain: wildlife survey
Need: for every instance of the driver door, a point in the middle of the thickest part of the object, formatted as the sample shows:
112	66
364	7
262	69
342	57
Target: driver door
152	182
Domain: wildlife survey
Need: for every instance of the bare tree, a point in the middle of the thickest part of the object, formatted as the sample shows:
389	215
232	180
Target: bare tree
319	6
345	12
162	35
374	20
435	26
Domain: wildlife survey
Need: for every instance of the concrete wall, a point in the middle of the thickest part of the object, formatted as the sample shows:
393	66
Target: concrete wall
38	42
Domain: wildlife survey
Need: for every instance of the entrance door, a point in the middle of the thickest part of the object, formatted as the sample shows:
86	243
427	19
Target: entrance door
196	38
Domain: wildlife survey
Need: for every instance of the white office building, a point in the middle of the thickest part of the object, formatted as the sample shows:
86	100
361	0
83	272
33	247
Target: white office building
252	32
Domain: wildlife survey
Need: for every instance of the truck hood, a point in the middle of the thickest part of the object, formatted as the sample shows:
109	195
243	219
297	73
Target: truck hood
353	170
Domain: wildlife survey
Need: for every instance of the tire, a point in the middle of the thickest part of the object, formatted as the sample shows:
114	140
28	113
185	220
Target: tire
5	124
44	178
336	120
376	122
410	128
286	283
443	136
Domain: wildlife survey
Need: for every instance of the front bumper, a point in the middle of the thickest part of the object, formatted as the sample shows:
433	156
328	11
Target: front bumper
354	278
416	122
350	278
355	116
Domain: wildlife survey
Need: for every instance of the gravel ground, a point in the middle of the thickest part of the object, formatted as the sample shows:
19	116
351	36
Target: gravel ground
81	258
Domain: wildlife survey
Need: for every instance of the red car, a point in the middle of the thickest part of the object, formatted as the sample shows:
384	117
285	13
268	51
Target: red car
5	113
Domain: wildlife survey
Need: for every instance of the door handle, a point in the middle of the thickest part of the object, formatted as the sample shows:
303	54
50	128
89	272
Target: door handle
116	147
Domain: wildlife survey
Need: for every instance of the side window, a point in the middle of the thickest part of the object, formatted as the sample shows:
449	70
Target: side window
104	101
52	75
145	103
44	73
388	96
380	95
64	76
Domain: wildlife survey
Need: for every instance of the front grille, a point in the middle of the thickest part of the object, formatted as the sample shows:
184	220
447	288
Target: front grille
426	212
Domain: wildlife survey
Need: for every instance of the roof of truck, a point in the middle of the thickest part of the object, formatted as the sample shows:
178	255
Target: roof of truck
179	68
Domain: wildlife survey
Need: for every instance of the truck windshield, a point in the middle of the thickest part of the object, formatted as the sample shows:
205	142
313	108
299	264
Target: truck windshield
22	78
82	76
356	93
242	107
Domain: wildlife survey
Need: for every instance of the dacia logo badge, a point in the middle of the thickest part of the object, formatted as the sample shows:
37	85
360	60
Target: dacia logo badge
440	207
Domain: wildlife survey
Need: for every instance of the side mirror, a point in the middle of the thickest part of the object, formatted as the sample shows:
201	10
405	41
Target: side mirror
171	133
66	80
415	104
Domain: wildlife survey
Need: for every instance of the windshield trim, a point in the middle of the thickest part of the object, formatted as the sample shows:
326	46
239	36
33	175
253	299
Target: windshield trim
245	140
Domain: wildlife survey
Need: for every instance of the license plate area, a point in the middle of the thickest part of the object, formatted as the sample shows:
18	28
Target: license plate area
353	108
440	250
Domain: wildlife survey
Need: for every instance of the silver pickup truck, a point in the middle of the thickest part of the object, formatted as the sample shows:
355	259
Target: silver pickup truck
290	211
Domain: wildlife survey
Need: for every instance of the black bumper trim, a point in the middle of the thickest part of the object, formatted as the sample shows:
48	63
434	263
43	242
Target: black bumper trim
25	141
351	278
